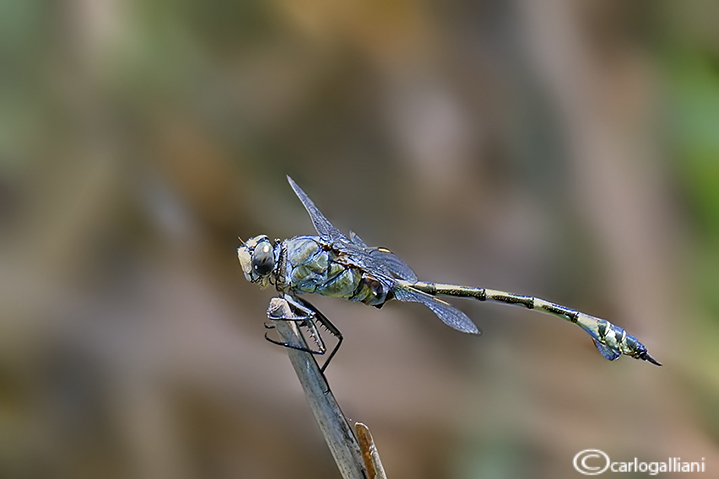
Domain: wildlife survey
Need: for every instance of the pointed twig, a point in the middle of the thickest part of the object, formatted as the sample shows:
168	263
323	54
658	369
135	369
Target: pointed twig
333	424
372	462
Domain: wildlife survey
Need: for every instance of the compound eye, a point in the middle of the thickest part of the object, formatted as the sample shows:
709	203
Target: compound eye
263	259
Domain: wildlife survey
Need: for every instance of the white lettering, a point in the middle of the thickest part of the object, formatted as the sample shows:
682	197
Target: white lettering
587	466
585	460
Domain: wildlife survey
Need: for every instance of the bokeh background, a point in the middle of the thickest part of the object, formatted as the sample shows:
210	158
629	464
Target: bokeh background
565	149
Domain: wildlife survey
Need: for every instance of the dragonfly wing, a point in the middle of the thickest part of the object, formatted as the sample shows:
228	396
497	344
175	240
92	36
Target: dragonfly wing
322	224
449	315
380	259
398	267
354	237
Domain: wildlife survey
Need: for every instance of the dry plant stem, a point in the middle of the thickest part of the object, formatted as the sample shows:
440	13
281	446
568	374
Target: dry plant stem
372	462
332	422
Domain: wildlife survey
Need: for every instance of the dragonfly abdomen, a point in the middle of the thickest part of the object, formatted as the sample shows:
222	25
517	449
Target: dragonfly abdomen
449	289
372	292
611	341
484	294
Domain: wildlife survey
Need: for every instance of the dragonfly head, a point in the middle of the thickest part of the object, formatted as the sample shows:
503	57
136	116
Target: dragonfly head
257	258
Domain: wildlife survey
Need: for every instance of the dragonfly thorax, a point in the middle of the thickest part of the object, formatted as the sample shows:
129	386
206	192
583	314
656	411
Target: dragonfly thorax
257	258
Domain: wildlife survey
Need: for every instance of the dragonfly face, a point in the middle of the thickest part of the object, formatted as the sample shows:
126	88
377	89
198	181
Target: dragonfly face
257	257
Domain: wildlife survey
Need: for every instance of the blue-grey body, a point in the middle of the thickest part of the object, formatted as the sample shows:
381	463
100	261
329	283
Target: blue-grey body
307	264
332	264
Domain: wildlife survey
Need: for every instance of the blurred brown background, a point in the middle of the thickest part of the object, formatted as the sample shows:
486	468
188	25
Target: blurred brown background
568	150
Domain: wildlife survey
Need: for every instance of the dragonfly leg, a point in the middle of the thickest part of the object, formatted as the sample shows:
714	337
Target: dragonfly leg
295	311
331	328
319	350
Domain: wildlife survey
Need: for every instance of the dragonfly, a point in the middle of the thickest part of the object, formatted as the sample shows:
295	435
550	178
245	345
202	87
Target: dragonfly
332	264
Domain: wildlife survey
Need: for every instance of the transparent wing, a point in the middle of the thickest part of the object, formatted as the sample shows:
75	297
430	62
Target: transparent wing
354	237
396	266
322	224
449	315
379	260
